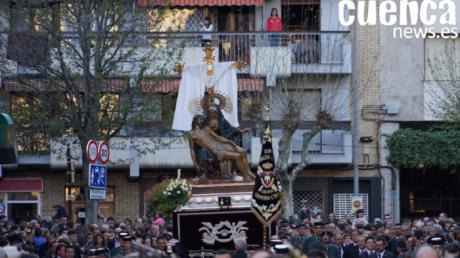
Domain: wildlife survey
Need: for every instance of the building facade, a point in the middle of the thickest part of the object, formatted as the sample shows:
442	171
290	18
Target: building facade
413	71
313	57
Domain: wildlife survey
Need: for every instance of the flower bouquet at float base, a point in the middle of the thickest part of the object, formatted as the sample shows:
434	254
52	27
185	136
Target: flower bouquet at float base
168	195
178	190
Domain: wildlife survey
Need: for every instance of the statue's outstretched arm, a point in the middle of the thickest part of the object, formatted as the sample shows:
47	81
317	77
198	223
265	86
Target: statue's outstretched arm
221	139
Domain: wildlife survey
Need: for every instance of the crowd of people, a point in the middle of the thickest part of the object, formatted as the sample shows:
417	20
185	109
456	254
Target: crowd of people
355	237
305	234
61	238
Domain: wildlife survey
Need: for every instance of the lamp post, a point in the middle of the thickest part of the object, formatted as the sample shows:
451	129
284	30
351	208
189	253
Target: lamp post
355	78
71	178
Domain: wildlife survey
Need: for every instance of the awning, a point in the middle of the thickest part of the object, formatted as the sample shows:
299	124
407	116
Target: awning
120	84
148	3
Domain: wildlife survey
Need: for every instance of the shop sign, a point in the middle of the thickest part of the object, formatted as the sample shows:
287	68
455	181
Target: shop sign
21	185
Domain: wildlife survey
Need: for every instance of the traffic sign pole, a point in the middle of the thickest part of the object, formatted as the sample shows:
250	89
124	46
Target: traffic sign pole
92	156
98	156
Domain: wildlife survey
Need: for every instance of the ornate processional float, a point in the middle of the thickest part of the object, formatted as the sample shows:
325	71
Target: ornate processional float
227	201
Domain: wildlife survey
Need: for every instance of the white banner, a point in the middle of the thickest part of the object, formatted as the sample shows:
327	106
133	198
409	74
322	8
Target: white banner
193	86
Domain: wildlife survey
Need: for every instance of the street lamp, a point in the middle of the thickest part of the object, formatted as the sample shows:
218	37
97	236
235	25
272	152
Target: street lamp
71	177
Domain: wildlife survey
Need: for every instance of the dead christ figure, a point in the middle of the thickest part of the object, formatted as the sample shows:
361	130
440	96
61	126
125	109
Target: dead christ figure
221	147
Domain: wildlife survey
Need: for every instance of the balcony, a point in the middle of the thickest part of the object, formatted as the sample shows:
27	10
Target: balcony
281	53
293	52
328	147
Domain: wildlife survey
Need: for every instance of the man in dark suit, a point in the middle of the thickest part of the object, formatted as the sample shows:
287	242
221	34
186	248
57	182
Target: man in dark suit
380	245
354	249
370	249
395	236
338	241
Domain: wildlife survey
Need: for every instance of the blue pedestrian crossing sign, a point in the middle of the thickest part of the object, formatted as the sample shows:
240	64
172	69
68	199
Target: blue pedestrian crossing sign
97	176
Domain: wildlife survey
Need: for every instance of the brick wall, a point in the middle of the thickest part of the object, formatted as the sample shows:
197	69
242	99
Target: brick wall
369	96
368	58
126	196
54	185
126	193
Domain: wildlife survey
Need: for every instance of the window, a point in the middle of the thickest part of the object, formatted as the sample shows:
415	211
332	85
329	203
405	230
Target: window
425	200
332	141
77	195
251	106
22	196
153	115
147	108
342	204
325	142
305	103
174	19
313	198
301	16
28	42
27	110
235	18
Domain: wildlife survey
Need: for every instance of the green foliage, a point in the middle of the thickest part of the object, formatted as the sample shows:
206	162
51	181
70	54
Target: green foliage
430	149
166	196
83	88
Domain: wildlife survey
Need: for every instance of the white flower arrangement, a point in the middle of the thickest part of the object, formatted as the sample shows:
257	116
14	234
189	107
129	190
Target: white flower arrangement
178	187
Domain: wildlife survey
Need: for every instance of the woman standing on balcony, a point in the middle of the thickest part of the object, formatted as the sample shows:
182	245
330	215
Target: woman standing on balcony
206	26
274	24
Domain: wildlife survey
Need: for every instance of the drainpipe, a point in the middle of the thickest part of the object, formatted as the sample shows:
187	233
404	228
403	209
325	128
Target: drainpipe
393	187
393	173
382	190
382	179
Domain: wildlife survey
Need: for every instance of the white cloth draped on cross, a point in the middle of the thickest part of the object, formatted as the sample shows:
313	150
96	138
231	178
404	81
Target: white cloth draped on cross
193	86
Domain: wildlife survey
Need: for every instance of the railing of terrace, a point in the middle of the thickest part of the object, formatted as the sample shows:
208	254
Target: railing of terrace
306	47
326	47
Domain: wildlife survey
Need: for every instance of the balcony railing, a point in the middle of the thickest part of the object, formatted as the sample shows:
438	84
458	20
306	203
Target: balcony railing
326	52
306	47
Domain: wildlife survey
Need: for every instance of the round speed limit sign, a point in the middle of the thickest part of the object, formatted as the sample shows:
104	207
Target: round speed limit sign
104	152
92	151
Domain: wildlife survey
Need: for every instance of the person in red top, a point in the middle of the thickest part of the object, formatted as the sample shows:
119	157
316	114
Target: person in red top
274	23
